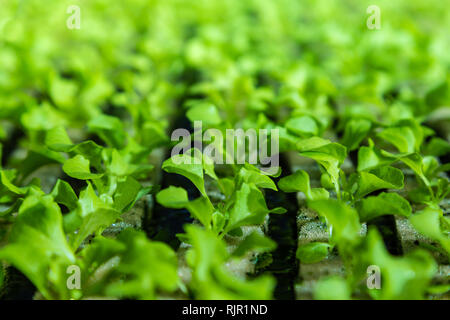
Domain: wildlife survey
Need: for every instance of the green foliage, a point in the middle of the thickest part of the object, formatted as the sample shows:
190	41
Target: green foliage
313	252
405	277
332	288
210	280
85	115
385	203
299	182
37	244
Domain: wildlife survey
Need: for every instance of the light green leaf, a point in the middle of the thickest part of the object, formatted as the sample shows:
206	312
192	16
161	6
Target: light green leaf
427	222
37	241
406	277
332	288
188	167
210	279
109	129
355	132
94	223
249	175
371	158
148	267
56	139
126	194
304	126
383	204
249	209
342	220
299	182
385	177
201	209
78	168
204	112
328	154
254	242
64	194
313	252
401	137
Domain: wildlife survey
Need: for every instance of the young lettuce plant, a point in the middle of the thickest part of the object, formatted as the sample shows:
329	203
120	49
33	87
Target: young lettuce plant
245	205
407	137
110	192
406	277
329	155
129	266
211	280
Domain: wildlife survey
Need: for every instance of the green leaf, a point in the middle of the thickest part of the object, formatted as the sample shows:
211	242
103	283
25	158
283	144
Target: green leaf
304	126
118	166
36	159
342	220
126	194
37	242
173	197
371	158
91	151
202	210
188	167
210	279
299	182
437	147
218	222
406	277
249	175
63	91
328	154
109	129
427	222
332	288
205	112
254	242
385	177
6	185
383	204
415	162
42	117
153	135
278	210
78	168
89	202
407	136
355	132
296	182
147	267
63	193
226	186
95	222
249	209
208	166
313	252
57	139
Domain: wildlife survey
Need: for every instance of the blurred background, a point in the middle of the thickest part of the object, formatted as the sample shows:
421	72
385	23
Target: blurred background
141	55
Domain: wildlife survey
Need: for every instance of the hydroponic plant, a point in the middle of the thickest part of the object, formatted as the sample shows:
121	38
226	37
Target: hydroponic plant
95	204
